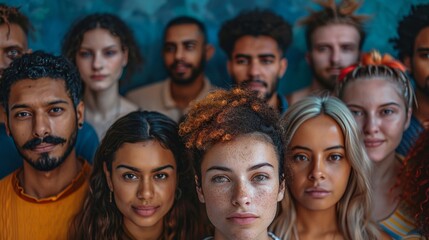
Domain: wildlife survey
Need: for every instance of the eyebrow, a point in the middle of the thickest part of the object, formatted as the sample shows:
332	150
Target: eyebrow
383	105
138	170
263	55
90	48
225	169
326	149
422	49
17	106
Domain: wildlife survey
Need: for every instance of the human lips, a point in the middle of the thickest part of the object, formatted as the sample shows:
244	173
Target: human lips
98	77
373	143
44	147
317	192
145	211
242	218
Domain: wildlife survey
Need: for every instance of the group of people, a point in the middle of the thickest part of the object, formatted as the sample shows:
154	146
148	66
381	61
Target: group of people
345	158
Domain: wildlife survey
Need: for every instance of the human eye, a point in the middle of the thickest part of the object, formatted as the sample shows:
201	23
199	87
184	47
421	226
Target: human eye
387	112
84	54
356	112
300	158
219	179
56	110
335	157
242	61
169	48
160	176
22	115
267	61
190	46
424	55
129	176
260	178
348	48
322	48
110	52
14	53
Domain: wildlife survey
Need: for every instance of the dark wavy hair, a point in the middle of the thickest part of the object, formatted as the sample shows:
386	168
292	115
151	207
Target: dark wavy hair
12	15
222	116
100	219
408	29
41	65
333	13
415	178
256	22
74	37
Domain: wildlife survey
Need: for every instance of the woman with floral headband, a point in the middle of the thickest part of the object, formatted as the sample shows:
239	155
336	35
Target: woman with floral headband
380	96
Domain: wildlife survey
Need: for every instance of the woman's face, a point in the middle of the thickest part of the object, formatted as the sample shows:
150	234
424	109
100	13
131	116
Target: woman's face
143	181
240	187
380	112
320	168
100	59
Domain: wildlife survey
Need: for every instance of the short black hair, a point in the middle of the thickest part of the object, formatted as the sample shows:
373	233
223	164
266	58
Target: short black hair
182	20
408	29
256	22
41	65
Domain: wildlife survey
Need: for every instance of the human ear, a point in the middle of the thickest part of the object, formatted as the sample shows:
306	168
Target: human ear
210	50
199	190
282	188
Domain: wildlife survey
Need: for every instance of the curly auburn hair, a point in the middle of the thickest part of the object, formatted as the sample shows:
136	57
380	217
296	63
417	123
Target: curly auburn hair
12	15
408	29
223	115
332	13
112	23
257	22
415	178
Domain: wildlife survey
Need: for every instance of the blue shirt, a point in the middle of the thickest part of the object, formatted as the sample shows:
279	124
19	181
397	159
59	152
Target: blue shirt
86	145
410	136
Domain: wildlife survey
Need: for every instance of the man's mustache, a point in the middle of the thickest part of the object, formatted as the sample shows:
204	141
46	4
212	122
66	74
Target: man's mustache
175	63
247	82
33	143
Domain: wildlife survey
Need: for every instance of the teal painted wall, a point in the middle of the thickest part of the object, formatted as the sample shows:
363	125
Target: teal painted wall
52	18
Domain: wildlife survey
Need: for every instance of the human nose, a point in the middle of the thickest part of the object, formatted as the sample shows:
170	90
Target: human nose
317	172
241	195
97	62
335	56
146	190
254	69
41	126
371	124
179	54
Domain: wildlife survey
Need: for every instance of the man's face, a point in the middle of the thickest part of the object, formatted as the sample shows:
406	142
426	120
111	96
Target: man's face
12	45
42	121
333	47
184	53
257	64
419	65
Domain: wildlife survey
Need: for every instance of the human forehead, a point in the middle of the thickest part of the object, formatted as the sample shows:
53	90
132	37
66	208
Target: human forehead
335	34
422	39
241	153
29	91
256	45
183	32
99	38
12	35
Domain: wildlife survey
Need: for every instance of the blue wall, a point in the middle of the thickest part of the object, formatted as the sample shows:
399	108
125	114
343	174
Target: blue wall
52	18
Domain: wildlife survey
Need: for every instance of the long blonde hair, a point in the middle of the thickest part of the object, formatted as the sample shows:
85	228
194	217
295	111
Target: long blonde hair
353	209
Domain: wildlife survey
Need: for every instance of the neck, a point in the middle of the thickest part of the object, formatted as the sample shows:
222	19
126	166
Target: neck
143	233
262	236
102	104
316	224
184	94
2	114
317	87
386	170
422	111
40	184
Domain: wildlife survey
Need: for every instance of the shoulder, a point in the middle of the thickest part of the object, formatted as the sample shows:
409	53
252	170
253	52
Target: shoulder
145	89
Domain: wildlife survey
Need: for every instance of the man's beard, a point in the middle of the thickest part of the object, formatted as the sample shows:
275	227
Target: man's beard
268	95
195	72
328	84
45	162
423	89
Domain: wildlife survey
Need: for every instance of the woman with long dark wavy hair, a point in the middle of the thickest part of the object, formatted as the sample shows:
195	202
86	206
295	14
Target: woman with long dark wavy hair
141	185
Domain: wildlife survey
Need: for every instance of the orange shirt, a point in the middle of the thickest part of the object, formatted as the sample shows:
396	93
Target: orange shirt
24	217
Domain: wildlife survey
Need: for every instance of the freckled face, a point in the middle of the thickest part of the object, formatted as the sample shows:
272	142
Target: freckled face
101	59
320	168
143	180
240	187
380	112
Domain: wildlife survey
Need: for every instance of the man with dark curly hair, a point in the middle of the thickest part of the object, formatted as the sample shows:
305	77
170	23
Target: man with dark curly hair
42	94
255	42
334	36
14	30
412	45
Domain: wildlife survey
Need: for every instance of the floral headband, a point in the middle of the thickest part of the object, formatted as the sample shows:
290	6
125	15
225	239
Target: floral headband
373	58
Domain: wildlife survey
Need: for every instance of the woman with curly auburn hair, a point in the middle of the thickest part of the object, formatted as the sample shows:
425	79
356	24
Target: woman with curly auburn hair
380	96
141	185
330	187
415	179
237	153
